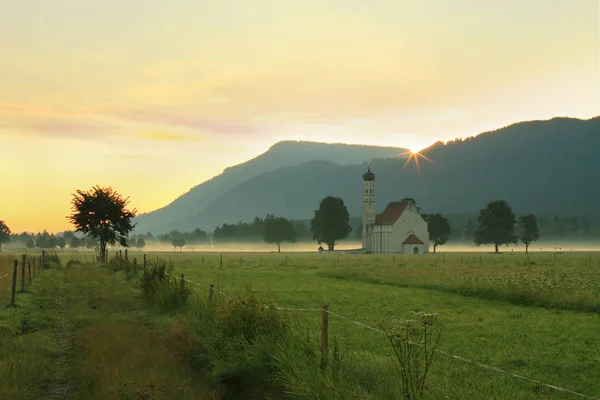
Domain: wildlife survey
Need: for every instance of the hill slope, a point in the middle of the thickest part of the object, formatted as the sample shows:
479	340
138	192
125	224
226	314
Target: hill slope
280	155
540	166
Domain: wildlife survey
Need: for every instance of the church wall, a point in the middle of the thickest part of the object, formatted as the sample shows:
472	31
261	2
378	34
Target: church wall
410	221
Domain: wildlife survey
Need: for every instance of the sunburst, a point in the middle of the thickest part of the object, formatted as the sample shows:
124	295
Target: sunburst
415	155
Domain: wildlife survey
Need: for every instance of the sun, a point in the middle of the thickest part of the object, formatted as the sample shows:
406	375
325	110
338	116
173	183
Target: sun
415	156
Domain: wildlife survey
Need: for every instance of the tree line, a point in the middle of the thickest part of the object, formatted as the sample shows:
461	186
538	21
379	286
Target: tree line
101	215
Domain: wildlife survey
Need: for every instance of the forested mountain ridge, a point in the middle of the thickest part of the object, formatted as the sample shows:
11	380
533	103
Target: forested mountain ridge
280	155
539	166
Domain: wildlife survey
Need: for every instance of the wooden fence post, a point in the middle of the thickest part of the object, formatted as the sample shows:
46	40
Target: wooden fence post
211	292
43	262
23	273
182	281
324	329
221	261
34	267
126	257
14	283
29	268
135	266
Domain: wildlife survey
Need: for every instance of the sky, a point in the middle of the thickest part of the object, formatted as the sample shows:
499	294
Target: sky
154	97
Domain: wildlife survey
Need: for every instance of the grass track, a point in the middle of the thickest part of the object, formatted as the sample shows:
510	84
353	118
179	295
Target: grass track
80	333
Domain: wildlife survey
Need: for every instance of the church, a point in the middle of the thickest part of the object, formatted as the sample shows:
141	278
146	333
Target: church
399	229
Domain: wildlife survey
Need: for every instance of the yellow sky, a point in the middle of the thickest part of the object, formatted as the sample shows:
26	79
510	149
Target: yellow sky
154	97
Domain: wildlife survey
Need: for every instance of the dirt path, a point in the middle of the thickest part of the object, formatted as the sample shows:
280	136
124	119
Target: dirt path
90	336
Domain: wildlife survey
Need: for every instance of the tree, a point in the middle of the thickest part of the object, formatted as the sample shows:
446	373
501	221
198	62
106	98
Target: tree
102	214
331	222
496	225
4	233
439	229
178	242
529	230
30	244
140	243
278	230
61	242
75	242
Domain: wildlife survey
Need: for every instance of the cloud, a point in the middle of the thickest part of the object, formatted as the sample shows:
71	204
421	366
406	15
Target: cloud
133	157
169	137
59	127
190	122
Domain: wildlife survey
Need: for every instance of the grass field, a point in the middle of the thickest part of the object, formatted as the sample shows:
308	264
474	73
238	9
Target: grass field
81	333
536	318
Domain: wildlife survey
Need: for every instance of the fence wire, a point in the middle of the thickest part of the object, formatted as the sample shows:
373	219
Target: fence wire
444	353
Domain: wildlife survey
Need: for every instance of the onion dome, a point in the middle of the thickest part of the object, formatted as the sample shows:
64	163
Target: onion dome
369	176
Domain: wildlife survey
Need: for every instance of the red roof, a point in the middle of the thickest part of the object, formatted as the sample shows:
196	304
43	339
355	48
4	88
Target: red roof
412	239
391	214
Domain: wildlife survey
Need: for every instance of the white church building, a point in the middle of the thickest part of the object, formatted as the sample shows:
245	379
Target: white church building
399	229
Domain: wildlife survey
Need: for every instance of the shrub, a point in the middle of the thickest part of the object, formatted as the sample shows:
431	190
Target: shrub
158	287
52	260
73	262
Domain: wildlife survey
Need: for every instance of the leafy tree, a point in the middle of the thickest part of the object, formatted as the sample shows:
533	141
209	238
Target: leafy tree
331	222
178	242
30	244
140	243
278	230
439	229
61	242
102	214
75	242
4	233
43	241
529	230
496	225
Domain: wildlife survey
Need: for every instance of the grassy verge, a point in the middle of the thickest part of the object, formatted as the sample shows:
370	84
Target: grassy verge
79	333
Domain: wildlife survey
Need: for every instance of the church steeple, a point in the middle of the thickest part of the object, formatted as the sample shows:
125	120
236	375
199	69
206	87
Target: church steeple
368	205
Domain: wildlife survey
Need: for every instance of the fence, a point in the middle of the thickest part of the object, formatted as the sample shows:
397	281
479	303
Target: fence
22	271
326	313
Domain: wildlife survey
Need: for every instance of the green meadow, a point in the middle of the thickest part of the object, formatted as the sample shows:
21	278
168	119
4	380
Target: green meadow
534	316
90	331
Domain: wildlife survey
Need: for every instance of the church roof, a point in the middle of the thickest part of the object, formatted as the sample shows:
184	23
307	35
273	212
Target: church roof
391	214
412	239
369	176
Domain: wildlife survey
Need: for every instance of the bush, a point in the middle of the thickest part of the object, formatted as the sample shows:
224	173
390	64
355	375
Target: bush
236	342
52	260
73	262
158	287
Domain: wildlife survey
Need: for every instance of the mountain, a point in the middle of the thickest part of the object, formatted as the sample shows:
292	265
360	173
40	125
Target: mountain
281	155
538	166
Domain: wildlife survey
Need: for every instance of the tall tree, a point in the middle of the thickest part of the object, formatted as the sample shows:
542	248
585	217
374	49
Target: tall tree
140	243
102	214
439	229
61	242
331	222
75	243
529	230
496	225
4	233
30	244
278	230
178	242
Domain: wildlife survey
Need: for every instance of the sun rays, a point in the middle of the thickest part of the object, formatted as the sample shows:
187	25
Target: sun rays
415	155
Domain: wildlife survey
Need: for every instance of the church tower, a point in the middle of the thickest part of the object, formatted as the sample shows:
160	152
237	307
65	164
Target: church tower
368	205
